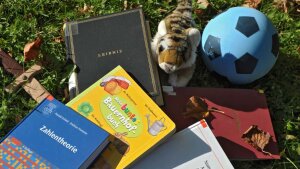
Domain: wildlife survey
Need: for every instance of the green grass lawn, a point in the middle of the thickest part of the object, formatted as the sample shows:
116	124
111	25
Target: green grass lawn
22	21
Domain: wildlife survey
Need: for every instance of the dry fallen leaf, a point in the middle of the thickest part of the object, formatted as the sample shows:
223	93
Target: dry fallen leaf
257	138
32	49
58	39
198	108
281	4
251	3
86	8
203	4
285	5
294	5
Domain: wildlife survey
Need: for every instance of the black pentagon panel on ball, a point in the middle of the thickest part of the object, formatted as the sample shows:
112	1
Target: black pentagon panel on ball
247	25
275	44
212	47
245	64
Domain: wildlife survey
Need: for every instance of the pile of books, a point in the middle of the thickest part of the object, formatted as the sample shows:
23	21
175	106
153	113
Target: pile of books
119	116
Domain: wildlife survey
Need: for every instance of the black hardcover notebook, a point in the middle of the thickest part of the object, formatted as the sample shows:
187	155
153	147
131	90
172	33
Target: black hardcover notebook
97	45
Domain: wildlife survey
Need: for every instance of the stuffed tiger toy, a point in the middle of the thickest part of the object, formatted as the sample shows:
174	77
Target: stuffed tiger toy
175	43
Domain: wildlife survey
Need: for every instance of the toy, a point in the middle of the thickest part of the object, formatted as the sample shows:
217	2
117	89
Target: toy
175	43
240	44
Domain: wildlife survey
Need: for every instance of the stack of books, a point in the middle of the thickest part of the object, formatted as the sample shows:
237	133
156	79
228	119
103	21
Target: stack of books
114	119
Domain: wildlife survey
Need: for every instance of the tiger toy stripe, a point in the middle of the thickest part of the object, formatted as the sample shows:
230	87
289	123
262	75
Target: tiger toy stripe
175	43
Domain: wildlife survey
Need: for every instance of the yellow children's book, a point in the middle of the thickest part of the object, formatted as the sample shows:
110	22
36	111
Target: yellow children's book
119	105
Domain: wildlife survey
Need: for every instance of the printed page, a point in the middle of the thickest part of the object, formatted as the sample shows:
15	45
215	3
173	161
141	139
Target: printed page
195	148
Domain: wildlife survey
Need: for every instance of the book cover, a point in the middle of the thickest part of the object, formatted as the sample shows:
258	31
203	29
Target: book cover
52	136
242	107
97	45
194	147
121	107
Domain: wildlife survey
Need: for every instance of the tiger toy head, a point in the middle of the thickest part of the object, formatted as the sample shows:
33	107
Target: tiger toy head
172	52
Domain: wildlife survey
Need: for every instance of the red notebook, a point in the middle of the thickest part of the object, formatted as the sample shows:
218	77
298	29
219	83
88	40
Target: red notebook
242	107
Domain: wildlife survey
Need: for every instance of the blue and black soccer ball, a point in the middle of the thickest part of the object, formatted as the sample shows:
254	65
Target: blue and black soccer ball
241	44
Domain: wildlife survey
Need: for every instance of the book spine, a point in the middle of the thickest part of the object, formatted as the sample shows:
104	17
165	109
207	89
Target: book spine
157	97
69	54
151	60
67	41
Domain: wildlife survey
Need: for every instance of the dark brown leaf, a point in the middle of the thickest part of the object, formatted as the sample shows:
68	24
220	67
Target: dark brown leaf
199	13
18	119
257	138
197	108
32	49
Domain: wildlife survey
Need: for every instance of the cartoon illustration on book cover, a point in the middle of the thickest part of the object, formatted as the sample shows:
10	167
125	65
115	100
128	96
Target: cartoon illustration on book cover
117	104
114	84
85	108
156	126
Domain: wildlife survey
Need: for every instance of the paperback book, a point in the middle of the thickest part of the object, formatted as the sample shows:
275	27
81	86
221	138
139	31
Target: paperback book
52	136
119	105
194	147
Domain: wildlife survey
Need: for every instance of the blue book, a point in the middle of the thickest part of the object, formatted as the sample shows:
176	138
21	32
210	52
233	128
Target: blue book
52	136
